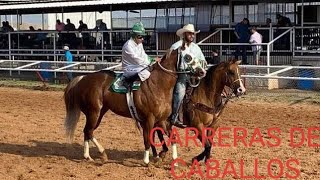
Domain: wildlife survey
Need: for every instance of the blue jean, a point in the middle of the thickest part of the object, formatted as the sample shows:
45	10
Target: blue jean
243	53
69	74
178	95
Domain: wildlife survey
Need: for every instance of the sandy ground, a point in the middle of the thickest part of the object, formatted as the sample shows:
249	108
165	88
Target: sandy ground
33	145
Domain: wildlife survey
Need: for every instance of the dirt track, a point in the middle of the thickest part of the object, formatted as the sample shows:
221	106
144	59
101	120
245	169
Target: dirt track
33	145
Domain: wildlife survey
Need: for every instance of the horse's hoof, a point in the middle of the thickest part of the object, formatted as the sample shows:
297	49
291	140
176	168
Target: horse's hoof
195	159
104	157
162	154
89	159
155	159
147	165
206	159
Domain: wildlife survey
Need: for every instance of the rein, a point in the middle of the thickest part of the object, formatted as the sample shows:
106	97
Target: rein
216	111
171	71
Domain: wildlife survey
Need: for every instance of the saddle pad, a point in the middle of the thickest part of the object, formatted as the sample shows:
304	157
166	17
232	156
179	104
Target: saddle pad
117	84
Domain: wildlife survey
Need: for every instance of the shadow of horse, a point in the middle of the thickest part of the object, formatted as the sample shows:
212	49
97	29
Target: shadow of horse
50	149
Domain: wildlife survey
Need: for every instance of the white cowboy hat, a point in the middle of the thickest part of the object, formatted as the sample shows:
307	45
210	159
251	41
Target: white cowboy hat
186	28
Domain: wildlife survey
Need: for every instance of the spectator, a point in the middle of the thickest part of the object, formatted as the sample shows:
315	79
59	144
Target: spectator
70	37
283	21
82	26
268	22
284	42
59	25
85	36
265	33
256	38
32	36
215	59
41	36
69	59
101	26
69	26
10	28
242	35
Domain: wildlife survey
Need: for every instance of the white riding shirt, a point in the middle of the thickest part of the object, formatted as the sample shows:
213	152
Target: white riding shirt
193	49
135	60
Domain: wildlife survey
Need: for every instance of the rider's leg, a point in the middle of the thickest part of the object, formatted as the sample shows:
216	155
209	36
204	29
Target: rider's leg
178	95
128	81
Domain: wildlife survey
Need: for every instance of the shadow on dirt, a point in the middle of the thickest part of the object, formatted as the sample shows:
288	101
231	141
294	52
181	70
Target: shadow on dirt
73	152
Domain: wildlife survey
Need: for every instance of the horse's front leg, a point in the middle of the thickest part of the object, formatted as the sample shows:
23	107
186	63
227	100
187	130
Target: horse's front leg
147	128
208	145
202	155
209	140
153	148
165	149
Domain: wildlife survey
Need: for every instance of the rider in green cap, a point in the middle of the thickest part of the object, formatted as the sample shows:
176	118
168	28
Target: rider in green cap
135	61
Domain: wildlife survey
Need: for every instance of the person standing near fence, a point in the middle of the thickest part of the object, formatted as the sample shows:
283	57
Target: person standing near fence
256	38
242	34
69	59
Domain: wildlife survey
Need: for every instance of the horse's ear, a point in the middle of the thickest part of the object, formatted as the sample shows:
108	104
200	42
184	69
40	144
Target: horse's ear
238	61
230	61
234	61
167	54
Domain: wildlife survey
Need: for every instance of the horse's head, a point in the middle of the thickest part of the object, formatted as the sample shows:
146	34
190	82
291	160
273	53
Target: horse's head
226	74
233	78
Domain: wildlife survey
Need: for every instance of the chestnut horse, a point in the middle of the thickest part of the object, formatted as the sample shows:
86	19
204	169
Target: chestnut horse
91	95
204	106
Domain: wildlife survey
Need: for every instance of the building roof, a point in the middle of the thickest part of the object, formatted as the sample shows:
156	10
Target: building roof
58	6
48	6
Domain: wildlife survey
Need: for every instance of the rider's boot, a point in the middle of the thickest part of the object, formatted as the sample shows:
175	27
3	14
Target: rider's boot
176	116
128	81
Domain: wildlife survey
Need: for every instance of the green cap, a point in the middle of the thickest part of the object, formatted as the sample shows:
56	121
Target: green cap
138	30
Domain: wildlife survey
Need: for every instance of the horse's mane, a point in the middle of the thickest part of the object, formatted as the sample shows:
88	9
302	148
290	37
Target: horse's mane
168	53
209	77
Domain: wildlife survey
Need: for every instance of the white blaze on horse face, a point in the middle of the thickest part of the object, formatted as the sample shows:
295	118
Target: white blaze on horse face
146	157
86	151
243	89
98	145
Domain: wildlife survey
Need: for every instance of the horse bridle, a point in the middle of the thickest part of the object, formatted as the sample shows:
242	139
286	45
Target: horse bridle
232	83
205	108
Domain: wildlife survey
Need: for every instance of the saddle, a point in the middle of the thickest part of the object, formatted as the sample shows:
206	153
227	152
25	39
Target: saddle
118	84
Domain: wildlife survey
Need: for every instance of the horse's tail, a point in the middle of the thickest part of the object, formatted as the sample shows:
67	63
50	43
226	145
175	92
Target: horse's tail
72	108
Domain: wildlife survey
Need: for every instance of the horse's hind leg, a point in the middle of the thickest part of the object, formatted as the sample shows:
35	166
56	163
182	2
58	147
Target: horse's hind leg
93	116
103	155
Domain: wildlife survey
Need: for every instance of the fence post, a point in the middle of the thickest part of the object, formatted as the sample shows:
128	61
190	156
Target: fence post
9	43
54	53
268	57
157	43
220	42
